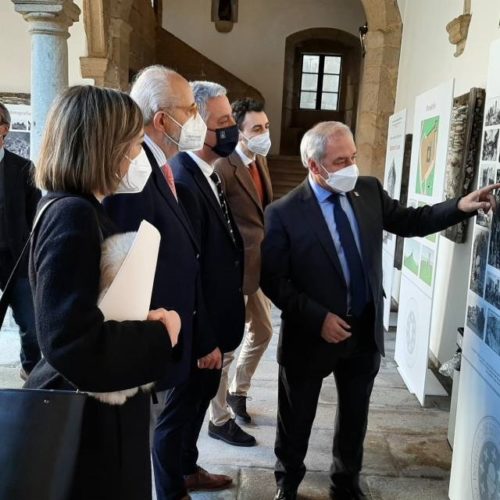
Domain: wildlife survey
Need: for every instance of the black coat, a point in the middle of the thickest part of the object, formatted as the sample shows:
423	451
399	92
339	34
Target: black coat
301	272
222	322
82	350
21	199
175	285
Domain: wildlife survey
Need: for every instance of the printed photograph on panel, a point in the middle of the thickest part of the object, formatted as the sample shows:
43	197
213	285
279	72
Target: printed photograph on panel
492	337
494	254
426	265
476	315
427	156
492	291
487	176
478	264
18	143
492	112
490	145
411	257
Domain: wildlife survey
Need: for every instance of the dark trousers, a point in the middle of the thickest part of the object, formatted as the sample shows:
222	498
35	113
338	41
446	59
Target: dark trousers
21	303
298	395
175	451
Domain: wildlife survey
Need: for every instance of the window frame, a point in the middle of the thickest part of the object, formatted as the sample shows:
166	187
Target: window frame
319	85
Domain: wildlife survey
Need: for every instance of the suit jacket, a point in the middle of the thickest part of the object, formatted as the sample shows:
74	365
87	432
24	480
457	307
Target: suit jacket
176	280
301	271
247	209
21	199
221	259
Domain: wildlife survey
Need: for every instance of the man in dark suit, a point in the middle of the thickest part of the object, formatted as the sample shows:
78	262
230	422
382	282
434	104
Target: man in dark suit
18	201
170	118
247	186
200	190
322	267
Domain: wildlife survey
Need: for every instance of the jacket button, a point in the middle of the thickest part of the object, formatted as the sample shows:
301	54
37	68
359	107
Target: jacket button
194	312
239	290
236	263
197	255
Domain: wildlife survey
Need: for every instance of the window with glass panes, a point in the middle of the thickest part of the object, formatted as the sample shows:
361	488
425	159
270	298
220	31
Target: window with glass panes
320	82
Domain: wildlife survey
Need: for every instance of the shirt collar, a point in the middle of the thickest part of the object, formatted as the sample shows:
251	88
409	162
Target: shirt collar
204	166
320	192
2	153
159	155
244	158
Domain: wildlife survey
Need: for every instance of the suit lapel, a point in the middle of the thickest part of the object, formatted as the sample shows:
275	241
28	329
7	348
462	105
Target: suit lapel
167	194
316	220
361	210
266	178
207	192
245	179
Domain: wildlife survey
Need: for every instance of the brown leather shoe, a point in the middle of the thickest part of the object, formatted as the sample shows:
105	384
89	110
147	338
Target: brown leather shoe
203	480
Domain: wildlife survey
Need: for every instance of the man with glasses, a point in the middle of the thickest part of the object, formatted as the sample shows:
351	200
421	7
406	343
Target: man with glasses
171	124
18	202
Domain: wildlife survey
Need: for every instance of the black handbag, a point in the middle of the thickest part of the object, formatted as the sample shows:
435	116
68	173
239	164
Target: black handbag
39	430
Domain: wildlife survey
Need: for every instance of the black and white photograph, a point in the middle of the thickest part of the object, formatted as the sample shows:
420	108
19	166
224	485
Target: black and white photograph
492	112
492	291
494	254
22	125
490	145
478	265
492	337
476	318
18	143
487	176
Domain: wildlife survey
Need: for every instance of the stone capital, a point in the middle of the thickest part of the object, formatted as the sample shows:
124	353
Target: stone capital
51	17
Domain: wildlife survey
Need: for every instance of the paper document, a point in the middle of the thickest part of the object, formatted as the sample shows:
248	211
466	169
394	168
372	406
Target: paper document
129	295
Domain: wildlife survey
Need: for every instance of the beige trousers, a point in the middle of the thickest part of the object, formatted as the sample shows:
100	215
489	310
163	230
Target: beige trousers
255	342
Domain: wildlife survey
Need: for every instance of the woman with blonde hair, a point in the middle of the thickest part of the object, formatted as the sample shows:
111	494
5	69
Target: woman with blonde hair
92	148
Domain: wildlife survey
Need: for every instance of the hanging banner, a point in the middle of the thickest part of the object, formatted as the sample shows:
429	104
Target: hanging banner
392	184
475	470
427	174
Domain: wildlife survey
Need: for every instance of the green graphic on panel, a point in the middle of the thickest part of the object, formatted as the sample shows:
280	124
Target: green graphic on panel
427	156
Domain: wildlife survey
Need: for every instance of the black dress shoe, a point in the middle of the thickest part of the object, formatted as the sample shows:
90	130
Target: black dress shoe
239	406
231	433
283	494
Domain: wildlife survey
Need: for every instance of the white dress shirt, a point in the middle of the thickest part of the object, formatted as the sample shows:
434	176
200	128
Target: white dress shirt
207	170
159	155
244	158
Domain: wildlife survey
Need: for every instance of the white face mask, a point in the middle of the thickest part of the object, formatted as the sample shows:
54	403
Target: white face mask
259	144
193	133
137	176
344	179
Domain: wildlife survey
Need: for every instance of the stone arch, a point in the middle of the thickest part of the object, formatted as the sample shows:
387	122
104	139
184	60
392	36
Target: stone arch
294	121
379	81
108	35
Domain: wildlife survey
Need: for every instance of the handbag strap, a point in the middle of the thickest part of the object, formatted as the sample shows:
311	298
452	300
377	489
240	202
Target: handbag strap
5	298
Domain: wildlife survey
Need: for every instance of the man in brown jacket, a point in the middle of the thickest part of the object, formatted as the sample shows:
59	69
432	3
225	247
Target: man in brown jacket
247	186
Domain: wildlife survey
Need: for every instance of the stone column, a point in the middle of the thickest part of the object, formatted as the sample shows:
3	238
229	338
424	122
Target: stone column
49	23
377	97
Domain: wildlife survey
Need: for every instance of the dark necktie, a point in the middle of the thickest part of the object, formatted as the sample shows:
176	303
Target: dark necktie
357	287
223	203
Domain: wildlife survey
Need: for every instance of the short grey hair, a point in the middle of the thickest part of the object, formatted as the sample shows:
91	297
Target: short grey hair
4	115
151	91
314	141
203	92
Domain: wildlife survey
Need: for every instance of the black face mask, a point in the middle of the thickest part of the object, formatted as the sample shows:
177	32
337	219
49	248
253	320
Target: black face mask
227	138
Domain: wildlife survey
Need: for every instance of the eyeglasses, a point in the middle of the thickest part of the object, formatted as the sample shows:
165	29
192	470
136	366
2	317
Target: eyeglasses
190	109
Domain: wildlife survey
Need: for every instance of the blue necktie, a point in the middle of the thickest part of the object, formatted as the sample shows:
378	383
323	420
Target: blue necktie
358	288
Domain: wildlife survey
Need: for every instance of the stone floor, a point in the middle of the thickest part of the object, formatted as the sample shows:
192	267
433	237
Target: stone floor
407	455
